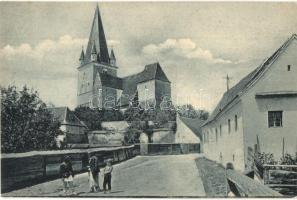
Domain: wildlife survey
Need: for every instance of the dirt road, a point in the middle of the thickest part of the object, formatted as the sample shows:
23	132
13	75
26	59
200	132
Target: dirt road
170	175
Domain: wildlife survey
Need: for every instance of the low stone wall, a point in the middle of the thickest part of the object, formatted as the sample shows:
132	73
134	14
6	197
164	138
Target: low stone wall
23	169
219	182
169	149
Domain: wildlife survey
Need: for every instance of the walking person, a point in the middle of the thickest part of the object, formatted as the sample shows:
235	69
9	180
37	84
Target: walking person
67	175
107	176
93	172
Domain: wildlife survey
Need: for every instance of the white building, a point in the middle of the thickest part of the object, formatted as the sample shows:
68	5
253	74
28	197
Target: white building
264	105
188	130
73	131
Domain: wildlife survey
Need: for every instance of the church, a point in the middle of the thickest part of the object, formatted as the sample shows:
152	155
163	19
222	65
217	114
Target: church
99	85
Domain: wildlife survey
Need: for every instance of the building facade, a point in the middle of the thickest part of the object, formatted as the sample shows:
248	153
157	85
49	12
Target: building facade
261	109
99	86
73	131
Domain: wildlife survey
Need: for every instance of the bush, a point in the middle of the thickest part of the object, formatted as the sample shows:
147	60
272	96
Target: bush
288	160
93	117
26	124
132	136
265	158
139	122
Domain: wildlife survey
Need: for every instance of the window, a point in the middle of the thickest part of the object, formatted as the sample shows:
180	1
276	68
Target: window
229	126
289	67
235	123
220	130
203	137
275	119
216	135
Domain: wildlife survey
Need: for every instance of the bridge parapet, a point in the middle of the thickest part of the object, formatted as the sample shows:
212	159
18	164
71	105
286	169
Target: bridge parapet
243	186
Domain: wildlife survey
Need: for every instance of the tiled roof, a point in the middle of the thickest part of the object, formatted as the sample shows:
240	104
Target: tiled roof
66	116
193	124
111	81
242	85
150	72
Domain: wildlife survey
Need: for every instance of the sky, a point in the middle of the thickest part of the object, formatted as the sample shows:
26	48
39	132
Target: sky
196	43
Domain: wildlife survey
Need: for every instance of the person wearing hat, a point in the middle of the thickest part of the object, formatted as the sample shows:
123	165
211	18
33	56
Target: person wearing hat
67	174
93	172
107	176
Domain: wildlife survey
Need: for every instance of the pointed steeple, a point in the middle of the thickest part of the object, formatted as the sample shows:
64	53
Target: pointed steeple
94	55
112	59
97	39
93	51
82	56
112	56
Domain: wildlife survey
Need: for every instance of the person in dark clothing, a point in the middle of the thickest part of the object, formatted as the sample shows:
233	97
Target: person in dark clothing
93	171
107	176
67	175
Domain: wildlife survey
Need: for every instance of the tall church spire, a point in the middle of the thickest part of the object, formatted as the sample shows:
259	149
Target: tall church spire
97	38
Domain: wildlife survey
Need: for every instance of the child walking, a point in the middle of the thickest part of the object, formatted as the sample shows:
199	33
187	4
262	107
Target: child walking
107	176
67	175
93	172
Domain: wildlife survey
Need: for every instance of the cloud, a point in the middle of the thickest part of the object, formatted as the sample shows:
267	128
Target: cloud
48	66
186	48
113	43
64	43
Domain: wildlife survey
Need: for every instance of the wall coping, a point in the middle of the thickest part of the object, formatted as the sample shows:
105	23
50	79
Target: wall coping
58	152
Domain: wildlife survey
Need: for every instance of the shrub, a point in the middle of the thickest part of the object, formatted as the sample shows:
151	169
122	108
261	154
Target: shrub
26	124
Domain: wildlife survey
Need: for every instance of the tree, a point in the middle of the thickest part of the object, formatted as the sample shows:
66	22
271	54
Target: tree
26	123
138	121
132	135
190	112
93	117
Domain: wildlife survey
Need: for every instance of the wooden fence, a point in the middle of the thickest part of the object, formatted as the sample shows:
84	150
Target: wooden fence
243	186
282	178
24	169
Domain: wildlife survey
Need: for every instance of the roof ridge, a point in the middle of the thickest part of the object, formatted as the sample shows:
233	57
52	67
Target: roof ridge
157	64
132	74
247	81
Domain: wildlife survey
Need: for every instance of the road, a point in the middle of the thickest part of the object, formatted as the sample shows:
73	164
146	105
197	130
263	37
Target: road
142	176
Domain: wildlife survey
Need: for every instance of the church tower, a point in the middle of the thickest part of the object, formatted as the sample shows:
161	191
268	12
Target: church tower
93	62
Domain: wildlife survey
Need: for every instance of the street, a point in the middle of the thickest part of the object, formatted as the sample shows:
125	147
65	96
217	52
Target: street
159	176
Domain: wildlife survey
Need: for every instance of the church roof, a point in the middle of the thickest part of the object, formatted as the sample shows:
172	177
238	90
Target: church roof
97	38
111	81
94	51
150	72
232	94
65	116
